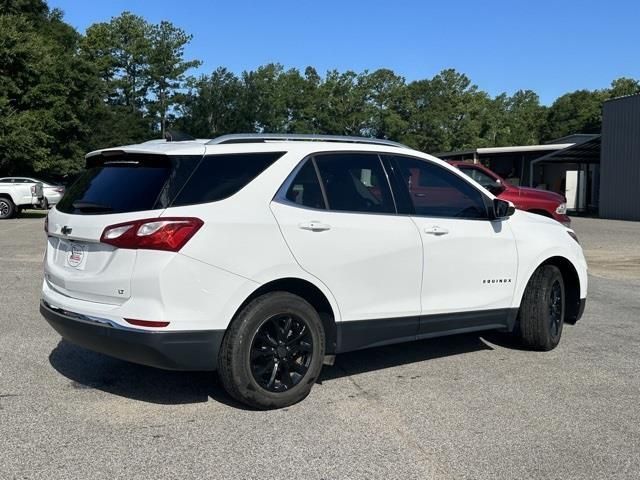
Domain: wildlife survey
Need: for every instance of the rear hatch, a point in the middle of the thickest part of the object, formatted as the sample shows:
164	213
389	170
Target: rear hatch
116	187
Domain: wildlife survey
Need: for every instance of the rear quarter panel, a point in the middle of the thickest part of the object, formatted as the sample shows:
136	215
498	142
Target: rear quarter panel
240	235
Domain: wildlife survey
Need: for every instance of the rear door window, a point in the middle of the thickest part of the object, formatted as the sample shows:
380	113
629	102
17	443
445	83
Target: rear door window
305	189
355	182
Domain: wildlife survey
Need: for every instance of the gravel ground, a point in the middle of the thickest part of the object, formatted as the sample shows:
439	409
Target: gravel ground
468	406
612	247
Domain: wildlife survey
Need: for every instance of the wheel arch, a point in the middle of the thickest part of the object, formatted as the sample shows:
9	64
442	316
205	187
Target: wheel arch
309	292
571	281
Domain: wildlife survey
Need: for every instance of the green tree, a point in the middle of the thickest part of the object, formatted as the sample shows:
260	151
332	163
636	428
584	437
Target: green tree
272	97
120	49
119	52
495	131
214	105
167	69
340	104
525	118
387	104
45	91
624	86
447	113
576	112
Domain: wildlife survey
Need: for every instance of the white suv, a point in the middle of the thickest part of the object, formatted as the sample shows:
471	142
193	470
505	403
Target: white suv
264	256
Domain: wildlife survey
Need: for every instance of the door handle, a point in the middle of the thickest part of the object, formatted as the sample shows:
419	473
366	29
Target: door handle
436	230
315	226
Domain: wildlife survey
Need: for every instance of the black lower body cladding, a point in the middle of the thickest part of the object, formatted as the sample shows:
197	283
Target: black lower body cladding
188	350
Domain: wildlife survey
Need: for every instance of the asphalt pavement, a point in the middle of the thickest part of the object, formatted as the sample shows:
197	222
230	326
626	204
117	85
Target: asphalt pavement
465	407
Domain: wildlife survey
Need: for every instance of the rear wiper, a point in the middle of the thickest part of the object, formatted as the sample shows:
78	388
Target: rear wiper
95	207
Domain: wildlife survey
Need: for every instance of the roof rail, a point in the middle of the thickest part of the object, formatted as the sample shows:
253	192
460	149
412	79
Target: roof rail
294	137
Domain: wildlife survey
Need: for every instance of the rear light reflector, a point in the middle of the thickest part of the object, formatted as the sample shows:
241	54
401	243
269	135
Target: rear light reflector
169	234
146	323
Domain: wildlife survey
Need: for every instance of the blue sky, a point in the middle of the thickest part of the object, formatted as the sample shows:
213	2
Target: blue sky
551	47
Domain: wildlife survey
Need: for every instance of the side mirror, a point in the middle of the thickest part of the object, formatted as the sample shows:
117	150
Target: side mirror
502	208
496	187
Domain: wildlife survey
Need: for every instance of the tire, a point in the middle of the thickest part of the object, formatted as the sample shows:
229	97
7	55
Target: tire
7	208
542	311
267	361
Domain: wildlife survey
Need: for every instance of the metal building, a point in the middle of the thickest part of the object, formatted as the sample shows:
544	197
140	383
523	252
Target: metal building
620	159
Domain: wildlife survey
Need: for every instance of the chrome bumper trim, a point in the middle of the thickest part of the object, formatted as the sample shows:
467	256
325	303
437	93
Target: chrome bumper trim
104	322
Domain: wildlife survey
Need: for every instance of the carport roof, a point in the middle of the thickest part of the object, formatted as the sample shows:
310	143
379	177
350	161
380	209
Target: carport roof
584	152
506	150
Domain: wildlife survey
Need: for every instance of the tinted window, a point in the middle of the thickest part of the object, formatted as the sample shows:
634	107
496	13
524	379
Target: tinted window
127	183
436	192
478	175
305	188
115	189
355	182
220	176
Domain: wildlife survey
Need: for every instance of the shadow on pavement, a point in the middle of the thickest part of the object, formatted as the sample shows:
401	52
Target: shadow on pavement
87	369
362	361
90	370
33	214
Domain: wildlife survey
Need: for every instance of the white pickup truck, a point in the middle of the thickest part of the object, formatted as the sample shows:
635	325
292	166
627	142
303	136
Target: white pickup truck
18	193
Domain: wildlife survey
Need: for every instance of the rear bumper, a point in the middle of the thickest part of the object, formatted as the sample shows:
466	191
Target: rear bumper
174	350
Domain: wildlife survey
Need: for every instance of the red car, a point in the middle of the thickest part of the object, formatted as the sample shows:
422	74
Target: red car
542	202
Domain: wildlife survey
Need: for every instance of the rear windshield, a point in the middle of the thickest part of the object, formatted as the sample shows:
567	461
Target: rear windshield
131	182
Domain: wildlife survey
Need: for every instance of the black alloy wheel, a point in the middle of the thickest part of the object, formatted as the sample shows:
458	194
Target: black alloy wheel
281	352
555	309
272	352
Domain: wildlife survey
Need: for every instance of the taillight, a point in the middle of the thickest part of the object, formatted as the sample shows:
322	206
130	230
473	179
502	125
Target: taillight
170	234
